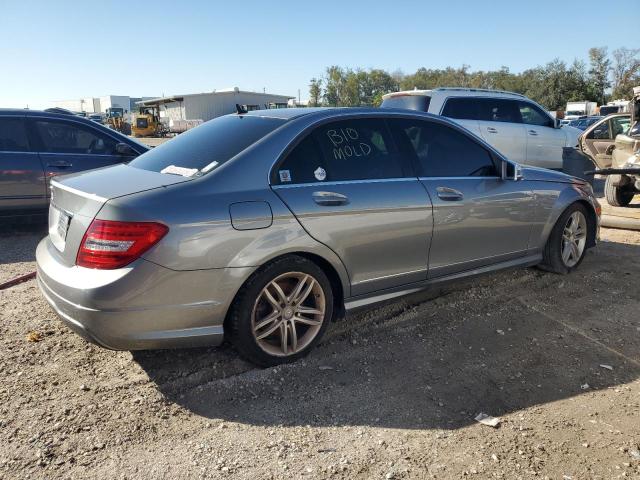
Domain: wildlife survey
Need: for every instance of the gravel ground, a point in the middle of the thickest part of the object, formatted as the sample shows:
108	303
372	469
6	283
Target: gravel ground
391	393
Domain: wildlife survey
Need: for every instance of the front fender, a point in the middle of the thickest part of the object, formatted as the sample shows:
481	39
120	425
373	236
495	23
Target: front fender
552	200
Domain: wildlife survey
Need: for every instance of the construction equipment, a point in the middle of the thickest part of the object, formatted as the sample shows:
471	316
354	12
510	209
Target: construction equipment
147	123
117	121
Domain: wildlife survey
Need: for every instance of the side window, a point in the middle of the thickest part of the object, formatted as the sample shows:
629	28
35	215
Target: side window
620	125
461	108
63	137
442	151
359	149
300	163
532	115
13	135
499	110
601	132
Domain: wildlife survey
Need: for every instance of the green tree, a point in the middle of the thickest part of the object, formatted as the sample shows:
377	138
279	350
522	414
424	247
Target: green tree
315	92
626	71
599	73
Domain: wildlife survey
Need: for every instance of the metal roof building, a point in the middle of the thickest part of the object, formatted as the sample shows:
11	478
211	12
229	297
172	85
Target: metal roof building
205	106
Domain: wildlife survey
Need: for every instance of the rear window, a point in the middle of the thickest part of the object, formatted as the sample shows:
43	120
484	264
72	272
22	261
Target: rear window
208	146
411	102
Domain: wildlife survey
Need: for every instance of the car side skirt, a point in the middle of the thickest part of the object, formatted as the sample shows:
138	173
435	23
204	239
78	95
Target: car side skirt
357	303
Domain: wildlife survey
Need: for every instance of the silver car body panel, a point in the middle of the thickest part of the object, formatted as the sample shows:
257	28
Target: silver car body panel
391	238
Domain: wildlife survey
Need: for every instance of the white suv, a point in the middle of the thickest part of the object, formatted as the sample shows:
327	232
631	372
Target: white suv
515	125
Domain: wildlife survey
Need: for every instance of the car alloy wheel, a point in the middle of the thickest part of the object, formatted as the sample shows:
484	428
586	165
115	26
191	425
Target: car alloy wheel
288	314
574	239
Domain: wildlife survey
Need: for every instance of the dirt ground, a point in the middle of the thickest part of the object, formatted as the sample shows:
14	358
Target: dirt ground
389	394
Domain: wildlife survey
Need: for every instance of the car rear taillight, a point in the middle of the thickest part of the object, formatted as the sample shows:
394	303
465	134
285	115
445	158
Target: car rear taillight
107	244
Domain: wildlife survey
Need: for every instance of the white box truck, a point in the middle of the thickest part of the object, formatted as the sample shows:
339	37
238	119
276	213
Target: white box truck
580	109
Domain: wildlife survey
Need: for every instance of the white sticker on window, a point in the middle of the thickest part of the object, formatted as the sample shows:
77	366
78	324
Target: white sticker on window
320	173
174	170
285	175
211	166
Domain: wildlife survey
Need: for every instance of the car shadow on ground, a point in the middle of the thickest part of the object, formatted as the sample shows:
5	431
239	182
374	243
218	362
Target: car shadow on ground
18	241
511	341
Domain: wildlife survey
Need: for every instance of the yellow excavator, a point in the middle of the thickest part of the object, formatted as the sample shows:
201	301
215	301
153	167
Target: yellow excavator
116	120
146	123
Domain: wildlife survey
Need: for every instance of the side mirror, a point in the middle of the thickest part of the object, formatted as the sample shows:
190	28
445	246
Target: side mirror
557	123
125	150
511	171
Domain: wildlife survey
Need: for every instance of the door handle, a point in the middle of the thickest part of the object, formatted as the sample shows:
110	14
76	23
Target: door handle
533	133
492	130
449	194
60	164
330	198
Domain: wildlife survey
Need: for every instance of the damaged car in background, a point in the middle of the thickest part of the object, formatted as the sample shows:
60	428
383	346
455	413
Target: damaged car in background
613	145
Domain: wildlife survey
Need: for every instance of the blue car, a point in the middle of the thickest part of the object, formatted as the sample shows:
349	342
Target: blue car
38	145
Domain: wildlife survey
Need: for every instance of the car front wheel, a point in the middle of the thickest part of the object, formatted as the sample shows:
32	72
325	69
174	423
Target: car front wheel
567	244
281	312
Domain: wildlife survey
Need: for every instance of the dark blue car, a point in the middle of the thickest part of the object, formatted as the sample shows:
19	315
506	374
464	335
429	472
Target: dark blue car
38	145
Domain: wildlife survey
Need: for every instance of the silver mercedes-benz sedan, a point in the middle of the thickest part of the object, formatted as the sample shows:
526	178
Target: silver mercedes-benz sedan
263	227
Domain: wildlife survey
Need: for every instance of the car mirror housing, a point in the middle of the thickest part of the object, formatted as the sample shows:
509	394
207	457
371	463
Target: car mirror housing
124	149
511	171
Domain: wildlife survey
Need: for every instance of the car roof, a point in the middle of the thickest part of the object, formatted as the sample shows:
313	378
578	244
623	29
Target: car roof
37	113
320	112
459	91
286	113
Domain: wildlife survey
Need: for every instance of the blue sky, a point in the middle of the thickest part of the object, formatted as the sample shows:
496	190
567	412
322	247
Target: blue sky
51	50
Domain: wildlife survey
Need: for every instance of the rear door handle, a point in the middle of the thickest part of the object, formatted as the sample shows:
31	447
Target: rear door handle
330	198
533	133
449	194
60	164
492	130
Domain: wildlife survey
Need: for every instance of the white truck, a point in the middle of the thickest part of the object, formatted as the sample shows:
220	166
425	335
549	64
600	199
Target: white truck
576	110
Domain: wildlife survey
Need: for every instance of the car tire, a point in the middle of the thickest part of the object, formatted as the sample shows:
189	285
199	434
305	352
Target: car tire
617	196
281	312
562	235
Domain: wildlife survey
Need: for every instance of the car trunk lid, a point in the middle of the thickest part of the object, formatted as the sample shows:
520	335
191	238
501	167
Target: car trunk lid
77	199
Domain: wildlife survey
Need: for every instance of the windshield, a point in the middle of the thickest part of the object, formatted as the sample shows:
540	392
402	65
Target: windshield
204	148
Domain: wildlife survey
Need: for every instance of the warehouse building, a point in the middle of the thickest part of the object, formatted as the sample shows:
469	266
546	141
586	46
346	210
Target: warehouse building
100	104
205	106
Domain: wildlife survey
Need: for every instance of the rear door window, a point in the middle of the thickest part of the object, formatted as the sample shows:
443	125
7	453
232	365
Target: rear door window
13	135
442	151
358	149
461	108
58	136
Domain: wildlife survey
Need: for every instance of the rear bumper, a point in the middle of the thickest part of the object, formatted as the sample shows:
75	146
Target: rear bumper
142	306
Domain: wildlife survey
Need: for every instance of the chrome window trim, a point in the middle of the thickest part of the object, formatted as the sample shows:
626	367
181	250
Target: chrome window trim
468	177
18	151
346	182
81	154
